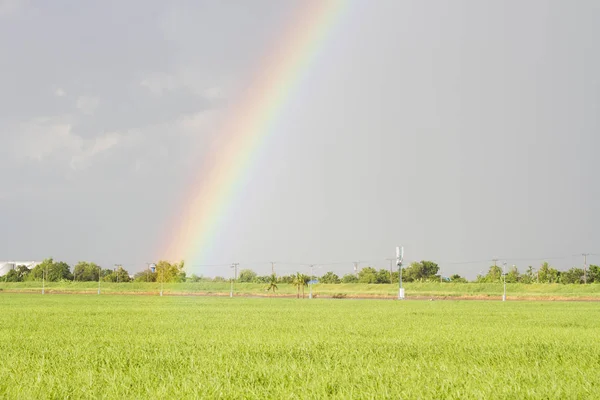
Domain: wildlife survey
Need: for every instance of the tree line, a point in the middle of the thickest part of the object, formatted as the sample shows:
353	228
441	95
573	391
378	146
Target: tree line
422	271
544	274
83	271
428	271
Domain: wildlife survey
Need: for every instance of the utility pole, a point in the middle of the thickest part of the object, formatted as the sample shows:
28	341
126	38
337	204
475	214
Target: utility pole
234	266
585	267
162	280
391	260
401	289
99	274
356	268
399	259
117	271
272	267
43	282
504	275
310	283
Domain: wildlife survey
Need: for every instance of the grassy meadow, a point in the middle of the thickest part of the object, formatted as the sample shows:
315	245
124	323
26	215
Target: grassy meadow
82	346
413	289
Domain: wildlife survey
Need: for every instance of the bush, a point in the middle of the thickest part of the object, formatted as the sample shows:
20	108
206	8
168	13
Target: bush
247	275
349	278
261	279
367	275
330	277
194	278
286	279
145	276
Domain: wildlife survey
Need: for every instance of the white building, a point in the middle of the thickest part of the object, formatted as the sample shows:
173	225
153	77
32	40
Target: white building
6	266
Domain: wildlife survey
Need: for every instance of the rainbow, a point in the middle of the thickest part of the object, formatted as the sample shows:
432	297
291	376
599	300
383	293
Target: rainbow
246	127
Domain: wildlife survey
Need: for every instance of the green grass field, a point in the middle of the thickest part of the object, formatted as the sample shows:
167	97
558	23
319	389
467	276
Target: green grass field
413	289
82	346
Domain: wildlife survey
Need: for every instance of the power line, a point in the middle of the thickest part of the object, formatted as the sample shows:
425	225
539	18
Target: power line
382	260
540	258
291	265
463	262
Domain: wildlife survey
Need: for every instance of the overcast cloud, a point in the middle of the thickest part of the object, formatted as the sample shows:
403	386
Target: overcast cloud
462	130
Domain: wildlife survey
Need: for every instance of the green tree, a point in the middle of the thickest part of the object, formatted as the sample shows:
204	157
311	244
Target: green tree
367	275
548	274
272	283
383	276
262	279
330	277
86	272
19	274
298	282
286	279
494	275
145	276
420	271
170	272
11	276
22	272
593	274
513	276
247	275
107	275
574	275
115	275
60	271
529	276
430	269
194	278
305	280
458	279
122	275
52	271
349	278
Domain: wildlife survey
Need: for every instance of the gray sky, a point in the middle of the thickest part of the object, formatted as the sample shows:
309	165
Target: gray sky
462	130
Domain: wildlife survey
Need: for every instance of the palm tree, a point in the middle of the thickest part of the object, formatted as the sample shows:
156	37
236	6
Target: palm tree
272	283
304	279
298	282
